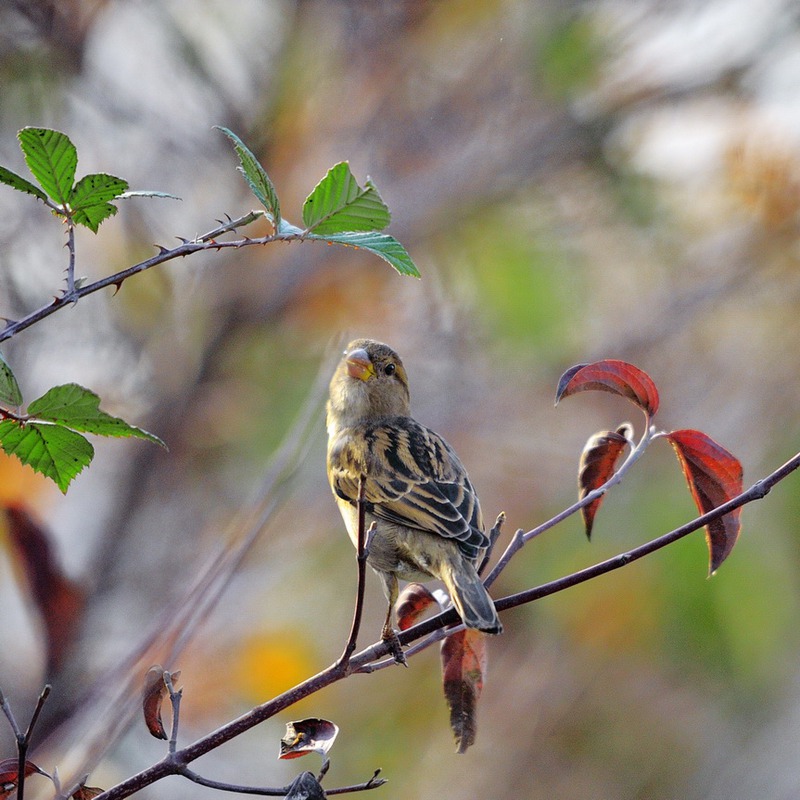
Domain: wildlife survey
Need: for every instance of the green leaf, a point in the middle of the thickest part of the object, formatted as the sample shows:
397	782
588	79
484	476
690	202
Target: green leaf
20	184
381	244
95	189
92	216
56	452
52	159
89	199
79	409
256	176
338	204
10	393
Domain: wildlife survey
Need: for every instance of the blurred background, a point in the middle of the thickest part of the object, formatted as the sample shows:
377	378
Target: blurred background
575	181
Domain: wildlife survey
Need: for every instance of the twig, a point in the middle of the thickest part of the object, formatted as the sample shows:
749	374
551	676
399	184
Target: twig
23	739
361	559
494	534
274	791
175	702
71	263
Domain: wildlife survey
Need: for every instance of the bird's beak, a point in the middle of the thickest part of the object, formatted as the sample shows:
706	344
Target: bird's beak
359	366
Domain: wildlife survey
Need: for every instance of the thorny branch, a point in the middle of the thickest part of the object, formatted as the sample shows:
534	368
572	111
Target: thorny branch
204	242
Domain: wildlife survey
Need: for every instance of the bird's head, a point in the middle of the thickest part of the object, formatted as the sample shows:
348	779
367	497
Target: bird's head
370	382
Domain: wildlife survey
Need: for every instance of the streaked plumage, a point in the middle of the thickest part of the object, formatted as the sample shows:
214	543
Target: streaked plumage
429	521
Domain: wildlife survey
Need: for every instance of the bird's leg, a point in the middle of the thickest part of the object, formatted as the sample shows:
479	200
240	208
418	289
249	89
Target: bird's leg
388	633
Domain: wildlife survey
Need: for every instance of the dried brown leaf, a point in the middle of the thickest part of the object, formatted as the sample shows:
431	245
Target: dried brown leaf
598	461
312	735
153	694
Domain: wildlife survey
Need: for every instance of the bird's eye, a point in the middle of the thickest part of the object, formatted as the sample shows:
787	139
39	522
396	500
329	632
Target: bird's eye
389	369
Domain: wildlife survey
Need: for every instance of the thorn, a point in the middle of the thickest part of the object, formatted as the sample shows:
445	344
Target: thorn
182	240
228	217
118	286
161	249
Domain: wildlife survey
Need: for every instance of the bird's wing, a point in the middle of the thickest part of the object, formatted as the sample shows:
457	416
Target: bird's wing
414	478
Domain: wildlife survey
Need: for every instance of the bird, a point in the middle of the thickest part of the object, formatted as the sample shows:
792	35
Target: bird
428	521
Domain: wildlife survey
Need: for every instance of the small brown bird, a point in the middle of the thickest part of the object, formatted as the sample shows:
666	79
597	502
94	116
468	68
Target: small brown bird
427	515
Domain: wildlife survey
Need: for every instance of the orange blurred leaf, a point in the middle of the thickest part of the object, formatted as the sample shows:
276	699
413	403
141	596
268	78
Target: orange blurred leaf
413	602
464	659
714	476
306	736
610	375
598	461
58	599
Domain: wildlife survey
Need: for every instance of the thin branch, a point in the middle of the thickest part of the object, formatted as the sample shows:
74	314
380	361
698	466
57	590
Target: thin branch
359	661
361	559
12	721
71	263
269	791
175	701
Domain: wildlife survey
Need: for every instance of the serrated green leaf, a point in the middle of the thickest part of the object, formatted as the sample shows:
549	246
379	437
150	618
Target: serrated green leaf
56	452
339	205
10	393
91	216
95	189
79	409
381	244
147	193
52	160
256	176
20	184
89	199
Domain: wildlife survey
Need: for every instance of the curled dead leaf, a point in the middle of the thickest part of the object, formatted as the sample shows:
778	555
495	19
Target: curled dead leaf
312	735
153	694
598	461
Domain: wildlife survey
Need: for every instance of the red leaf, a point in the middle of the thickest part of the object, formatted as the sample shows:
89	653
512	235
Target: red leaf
714	476
306	736
86	792
9	773
617	377
413	602
153	694
59	600
463	668
598	460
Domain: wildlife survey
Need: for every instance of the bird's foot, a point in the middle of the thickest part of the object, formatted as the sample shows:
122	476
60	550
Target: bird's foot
389	636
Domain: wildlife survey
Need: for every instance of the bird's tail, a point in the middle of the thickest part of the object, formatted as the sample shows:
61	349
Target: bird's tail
470	596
